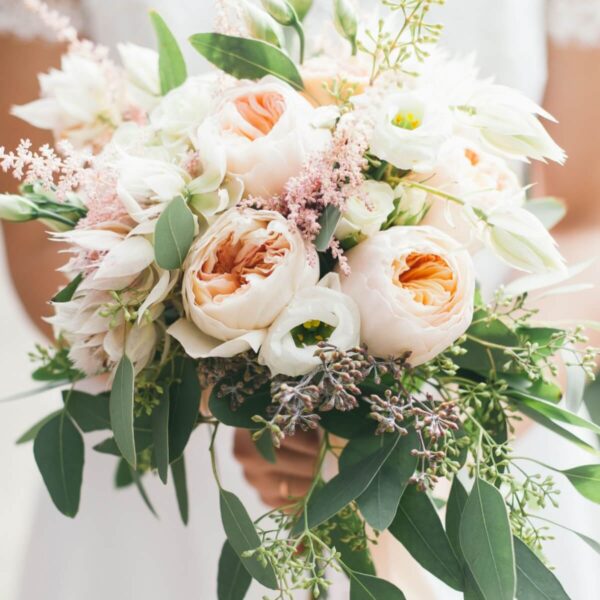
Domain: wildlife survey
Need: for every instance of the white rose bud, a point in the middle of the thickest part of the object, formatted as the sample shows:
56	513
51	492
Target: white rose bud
262	26
283	12
16	208
414	288
345	20
238	277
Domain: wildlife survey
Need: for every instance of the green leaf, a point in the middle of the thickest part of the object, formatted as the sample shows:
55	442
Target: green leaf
68	291
91	413
247	59
173	234
534	580
181	491
242	536
240	416
379	502
59	454
586	480
328	221
137	479
349	424
143	440
123	477
348	485
184	406
486	542
171	64
264	444
121	410
456	504
301	7
32	432
233	580
160	436
355	559
418	527
368	587
551	411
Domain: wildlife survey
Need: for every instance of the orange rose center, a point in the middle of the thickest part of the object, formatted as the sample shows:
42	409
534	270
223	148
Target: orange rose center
236	263
261	111
427	277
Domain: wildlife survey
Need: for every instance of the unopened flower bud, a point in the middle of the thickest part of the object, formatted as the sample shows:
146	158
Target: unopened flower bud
281	10
16	208
261	25
301	7
345	19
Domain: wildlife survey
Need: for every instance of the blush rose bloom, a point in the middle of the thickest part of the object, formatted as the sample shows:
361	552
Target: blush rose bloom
268	132
238	277
414	288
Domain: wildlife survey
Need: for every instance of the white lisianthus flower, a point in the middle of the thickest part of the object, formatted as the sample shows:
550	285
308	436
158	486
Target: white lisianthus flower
366	212
77	103
414	288
238	277
409	130
311	308
267	132
520	239
141	66
16	208
508	122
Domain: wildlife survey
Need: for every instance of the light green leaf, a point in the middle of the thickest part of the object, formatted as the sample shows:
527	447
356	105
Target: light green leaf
233	580
68	292
91	413
328	221
32	432
160	435
242	536
486	542
368	587
181	491
418	527
586	480
302	7
171	64
121	410
59	454
247	59
174	234
534	580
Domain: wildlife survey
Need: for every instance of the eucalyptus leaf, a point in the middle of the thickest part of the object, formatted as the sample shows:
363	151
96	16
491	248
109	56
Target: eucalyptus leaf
239	416
418	527
123	477
328	221
486	542
233	580
160	435
247	59
137	479
171	64
67	293
349	424
456	504
264	444
173	234
369	587
534	580
121	410
181	491
91	413
242	536
32	432
586	480
59	454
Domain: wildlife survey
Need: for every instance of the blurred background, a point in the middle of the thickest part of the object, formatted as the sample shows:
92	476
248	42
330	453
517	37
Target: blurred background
550	49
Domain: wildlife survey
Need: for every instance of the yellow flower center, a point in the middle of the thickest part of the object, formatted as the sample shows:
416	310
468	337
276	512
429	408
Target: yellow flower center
311	333
406	120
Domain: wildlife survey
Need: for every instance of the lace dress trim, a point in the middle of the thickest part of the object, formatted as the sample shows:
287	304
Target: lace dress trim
17	20
574	22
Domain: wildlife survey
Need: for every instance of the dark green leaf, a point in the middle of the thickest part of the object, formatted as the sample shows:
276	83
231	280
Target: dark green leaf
418	527
486	542
121	410
181	491
247	59
367	587
456	504
137	479
32	432
240	416
68	291
379	502
242	536
143	440
171	64
534	580
233	580
160	435
348	485
123	477
328	221
91	413
173	234
586	480
264	444
184	406
59	454
348	424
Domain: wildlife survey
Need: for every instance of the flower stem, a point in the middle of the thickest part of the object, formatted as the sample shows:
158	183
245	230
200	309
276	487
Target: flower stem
297	26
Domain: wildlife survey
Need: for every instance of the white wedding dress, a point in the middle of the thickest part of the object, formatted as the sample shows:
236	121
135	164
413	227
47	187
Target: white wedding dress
115	549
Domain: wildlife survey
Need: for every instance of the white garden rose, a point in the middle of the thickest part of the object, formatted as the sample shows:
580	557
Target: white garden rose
268	134
367	211
409	130
313	308
238	277
414	288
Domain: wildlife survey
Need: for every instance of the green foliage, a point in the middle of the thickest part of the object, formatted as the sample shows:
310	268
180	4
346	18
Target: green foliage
55	364
160	436
171	64
68	291
368	587
247	59
121	410
91	413
233	580
328	222
586	480
174	234
181	491
32	432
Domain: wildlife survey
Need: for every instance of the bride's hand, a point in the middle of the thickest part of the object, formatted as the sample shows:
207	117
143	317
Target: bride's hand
289	477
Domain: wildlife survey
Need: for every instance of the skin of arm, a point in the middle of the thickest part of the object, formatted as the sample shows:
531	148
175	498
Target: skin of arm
32	258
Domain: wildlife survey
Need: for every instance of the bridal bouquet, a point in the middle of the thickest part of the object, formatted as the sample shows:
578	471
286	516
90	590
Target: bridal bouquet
292	242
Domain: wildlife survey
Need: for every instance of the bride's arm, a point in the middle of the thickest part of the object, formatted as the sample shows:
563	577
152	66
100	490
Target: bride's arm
32	259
